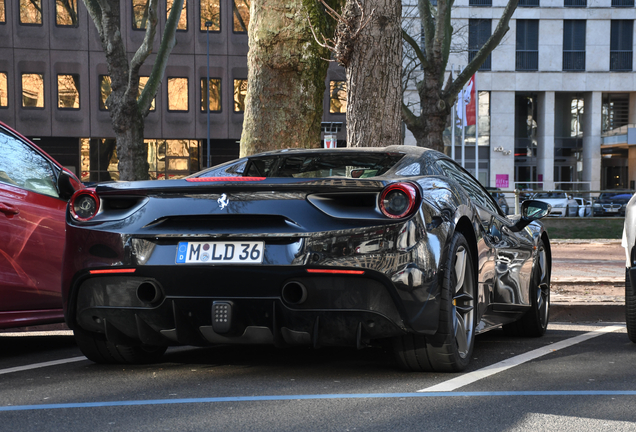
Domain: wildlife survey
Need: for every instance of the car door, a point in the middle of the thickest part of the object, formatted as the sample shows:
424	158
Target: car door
32	228
504	258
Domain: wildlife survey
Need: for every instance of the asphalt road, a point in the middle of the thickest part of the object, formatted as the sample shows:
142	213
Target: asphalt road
577	377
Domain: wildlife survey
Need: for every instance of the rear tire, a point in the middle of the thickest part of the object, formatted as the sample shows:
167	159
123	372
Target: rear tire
630	309
101	351
449	350
534	322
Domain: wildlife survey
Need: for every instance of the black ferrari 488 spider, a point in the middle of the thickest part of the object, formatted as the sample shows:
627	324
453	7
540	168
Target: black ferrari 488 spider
345	247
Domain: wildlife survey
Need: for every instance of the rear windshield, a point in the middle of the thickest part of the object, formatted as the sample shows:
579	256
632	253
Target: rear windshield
322	165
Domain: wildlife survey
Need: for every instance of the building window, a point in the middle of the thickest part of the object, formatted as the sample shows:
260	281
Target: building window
32	91
142	84
215	94
621	45
104	91
66	13
241	14
622	3
172	159
31	12
177	94
210	12
526	127
68	92
527	56
3	18
529	3
183	18
614	111
4	96
140	14
574	45
337	97
479	30
479	2
575	3
240	90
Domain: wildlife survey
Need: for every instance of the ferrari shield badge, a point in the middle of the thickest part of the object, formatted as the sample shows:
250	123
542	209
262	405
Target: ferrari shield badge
223	201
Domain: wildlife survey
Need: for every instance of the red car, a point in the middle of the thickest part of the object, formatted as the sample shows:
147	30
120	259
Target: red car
34	191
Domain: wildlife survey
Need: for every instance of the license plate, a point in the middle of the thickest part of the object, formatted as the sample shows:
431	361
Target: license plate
236	252
612	210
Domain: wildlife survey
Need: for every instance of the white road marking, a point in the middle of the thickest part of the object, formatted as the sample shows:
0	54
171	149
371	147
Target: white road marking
471	377
41	365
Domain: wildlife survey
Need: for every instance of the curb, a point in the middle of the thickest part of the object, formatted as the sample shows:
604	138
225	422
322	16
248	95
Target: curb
587	312
585	241
605	280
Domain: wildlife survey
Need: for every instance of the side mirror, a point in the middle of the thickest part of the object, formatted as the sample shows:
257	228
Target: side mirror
66	185
531	210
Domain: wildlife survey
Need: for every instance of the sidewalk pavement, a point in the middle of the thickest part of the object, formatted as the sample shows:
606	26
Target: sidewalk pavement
588	280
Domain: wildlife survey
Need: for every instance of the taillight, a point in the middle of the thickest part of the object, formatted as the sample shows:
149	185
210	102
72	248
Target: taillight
84	205
399	200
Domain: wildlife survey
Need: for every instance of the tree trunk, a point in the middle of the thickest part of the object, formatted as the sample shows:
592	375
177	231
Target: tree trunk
374	93
286	77
132	151
428	128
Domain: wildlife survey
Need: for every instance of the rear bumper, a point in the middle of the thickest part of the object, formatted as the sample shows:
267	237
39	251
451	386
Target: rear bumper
340	310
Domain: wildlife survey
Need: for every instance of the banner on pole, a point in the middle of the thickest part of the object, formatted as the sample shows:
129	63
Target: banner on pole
467	95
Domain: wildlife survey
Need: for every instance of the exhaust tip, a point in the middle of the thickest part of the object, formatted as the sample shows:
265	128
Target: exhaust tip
149	292
294	293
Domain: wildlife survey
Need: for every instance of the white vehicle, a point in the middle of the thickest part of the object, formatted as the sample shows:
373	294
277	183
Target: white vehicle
585	207
562	203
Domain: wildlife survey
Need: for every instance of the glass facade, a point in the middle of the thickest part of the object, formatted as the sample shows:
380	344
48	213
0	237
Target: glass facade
4	96
140	14
32	91
338	97
68	92
241	15
183	18
31	12
215	94
177	94
210	12
240	91
167	159
66	13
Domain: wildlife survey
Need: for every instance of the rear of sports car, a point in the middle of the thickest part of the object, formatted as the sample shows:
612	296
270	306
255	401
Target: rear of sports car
252	260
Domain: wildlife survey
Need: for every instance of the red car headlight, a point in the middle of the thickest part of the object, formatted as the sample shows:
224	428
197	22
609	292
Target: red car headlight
84	205
399	200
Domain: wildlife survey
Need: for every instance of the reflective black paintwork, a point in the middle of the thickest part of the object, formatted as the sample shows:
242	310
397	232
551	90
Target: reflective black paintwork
305	224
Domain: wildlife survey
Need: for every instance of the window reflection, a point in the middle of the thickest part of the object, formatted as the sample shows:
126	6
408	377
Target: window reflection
140	14
30	11
241	14
68	91
210	11
183	18
66	13
215	94
99	160
104	91
23	167
167	159
33	90
338	97
240	90
177	94
171	159
2	14
4	97
142	84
